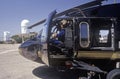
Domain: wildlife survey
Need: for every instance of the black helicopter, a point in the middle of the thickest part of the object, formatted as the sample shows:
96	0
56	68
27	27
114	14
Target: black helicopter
91	40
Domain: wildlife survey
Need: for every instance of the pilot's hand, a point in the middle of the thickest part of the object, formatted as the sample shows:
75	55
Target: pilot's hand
54	35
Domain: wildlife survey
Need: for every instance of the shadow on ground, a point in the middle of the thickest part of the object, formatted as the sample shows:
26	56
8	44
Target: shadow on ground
45	72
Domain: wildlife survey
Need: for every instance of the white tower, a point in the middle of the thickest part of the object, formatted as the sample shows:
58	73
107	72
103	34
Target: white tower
24	25
6	35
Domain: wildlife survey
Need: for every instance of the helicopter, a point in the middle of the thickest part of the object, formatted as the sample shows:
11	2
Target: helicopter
91	40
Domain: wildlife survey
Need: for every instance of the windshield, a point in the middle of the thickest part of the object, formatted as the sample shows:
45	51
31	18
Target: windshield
44	34
45	31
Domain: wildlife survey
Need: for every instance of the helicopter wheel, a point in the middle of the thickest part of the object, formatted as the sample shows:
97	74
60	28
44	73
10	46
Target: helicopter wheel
114	74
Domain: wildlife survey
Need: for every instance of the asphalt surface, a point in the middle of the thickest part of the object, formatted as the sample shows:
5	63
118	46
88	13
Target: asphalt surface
14	66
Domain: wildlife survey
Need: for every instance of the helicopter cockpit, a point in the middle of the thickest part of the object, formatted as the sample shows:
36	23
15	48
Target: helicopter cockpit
61	37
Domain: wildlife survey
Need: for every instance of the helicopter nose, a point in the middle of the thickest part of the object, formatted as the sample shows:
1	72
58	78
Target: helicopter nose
29	54
30	50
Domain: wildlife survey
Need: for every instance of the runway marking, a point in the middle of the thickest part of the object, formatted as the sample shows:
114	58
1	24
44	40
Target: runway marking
8	51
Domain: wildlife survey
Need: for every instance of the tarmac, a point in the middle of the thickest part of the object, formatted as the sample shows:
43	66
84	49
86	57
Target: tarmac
15	66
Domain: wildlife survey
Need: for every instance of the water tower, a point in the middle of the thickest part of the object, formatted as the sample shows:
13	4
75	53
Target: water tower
24	25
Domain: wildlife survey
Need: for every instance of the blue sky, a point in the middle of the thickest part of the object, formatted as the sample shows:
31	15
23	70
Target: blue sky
12	12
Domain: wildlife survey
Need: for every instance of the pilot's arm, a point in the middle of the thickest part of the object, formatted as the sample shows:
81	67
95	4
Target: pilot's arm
61	33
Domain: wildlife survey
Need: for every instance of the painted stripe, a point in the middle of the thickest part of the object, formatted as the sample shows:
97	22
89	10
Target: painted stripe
7	51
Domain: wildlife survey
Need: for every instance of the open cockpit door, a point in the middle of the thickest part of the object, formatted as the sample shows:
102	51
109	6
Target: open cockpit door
37	48
44	38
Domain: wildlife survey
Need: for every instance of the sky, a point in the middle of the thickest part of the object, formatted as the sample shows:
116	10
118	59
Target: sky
12	12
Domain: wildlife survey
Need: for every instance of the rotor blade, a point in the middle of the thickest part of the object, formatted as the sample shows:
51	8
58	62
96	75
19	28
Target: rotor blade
42	21
84	6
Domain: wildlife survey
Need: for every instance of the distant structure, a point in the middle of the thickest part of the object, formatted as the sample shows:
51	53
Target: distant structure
6	35
28	35
24	25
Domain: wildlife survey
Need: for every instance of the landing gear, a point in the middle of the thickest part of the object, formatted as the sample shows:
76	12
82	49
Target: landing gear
89	75
114	74
92	71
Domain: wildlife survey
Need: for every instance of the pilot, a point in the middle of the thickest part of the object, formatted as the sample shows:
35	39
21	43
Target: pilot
58	38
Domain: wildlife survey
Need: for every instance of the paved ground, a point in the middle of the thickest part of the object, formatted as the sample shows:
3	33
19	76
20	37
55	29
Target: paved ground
14	66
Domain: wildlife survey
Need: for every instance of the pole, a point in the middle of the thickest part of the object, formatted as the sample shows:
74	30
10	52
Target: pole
114	1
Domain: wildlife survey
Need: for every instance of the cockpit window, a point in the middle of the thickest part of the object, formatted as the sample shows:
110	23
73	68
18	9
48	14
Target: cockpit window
54	29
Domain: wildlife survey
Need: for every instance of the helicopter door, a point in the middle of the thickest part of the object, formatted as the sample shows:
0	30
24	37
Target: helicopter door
84	35
44	38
